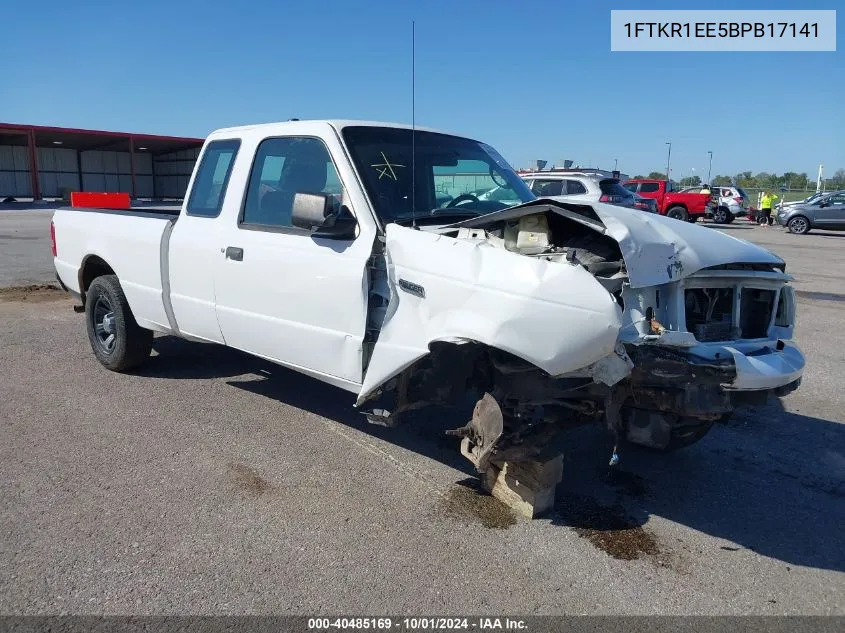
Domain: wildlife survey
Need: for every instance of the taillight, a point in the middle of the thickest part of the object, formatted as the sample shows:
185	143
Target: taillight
611	199
641	205
53	239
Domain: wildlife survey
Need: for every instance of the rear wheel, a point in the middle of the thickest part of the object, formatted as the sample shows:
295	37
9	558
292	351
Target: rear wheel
799	224
721	215
118	342
678	213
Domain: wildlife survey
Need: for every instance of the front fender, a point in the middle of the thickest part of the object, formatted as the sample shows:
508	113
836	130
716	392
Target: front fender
554	315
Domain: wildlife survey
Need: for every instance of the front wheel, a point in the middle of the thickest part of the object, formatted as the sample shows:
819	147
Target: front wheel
799	225
118	342
684	436
678	213
663	432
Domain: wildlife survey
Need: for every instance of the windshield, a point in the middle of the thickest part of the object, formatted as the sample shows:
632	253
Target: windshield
454	177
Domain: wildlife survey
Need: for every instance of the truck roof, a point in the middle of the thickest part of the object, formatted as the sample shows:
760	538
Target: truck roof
287	127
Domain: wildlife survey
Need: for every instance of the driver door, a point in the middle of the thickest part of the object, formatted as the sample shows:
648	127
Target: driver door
282	294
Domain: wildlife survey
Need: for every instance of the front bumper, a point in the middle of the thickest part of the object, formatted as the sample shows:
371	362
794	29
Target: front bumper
766	368
691	382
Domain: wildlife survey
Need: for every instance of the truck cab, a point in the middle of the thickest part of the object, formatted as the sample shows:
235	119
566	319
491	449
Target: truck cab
670	202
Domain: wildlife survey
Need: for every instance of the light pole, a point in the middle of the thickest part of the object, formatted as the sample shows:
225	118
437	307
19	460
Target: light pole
615	163
668	157
709	167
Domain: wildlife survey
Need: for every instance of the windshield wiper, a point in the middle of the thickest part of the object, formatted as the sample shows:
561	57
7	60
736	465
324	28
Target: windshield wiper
453	212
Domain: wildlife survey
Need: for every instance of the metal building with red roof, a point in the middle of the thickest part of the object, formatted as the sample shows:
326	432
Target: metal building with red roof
40	162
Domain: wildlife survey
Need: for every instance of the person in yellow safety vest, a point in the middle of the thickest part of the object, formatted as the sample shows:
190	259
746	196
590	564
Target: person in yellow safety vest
705	189
767	202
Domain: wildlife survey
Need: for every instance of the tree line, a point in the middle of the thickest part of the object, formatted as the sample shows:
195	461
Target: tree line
763	180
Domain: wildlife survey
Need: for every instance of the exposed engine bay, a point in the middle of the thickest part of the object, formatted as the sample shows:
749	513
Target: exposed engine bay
671	350
553	238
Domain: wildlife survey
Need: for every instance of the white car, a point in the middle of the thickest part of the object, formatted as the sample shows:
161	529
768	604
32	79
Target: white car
729	203
307	243
588	186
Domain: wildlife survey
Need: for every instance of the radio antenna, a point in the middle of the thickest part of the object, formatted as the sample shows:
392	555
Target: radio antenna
413	127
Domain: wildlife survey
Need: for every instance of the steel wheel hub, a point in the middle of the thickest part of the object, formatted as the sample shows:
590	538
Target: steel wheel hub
104	324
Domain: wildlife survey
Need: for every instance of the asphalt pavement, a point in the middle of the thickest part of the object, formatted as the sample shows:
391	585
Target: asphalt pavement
25	256
210	482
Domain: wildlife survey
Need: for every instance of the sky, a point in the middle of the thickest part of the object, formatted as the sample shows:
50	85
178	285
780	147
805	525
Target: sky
535	80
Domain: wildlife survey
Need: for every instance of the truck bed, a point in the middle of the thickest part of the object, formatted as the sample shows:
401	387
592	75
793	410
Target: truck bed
131	242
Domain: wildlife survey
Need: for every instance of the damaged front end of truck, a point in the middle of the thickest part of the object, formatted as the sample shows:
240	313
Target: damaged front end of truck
557	314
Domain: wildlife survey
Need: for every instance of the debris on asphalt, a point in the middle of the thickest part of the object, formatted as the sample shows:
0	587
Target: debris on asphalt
35	293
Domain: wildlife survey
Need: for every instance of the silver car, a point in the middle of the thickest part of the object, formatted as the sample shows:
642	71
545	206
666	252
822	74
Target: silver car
808	200
826	212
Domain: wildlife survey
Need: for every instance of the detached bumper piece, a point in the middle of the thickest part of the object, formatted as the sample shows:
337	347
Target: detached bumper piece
766	368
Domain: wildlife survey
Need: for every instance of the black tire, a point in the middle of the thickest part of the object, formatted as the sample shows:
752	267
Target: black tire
721	215
677	213
731	218
684	436
799	225
118	342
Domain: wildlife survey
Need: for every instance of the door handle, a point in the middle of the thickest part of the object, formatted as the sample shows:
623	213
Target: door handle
234	253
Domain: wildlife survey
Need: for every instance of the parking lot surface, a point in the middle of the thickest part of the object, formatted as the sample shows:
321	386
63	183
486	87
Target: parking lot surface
25	247
210	482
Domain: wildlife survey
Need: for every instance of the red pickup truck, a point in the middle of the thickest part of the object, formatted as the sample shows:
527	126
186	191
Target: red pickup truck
681	206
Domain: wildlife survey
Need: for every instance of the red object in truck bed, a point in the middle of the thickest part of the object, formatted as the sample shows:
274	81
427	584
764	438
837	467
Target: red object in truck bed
96	200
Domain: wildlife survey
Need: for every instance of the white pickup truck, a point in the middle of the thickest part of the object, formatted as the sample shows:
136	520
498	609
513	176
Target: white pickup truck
356	253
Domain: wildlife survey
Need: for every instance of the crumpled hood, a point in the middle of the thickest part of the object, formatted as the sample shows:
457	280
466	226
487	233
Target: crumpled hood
656	249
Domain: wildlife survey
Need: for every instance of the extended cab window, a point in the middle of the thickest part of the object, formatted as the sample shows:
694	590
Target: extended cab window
284	167
209	188
649	187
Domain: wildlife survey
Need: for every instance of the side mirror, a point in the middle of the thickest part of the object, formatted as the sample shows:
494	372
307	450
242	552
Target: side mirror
823	204
317	213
